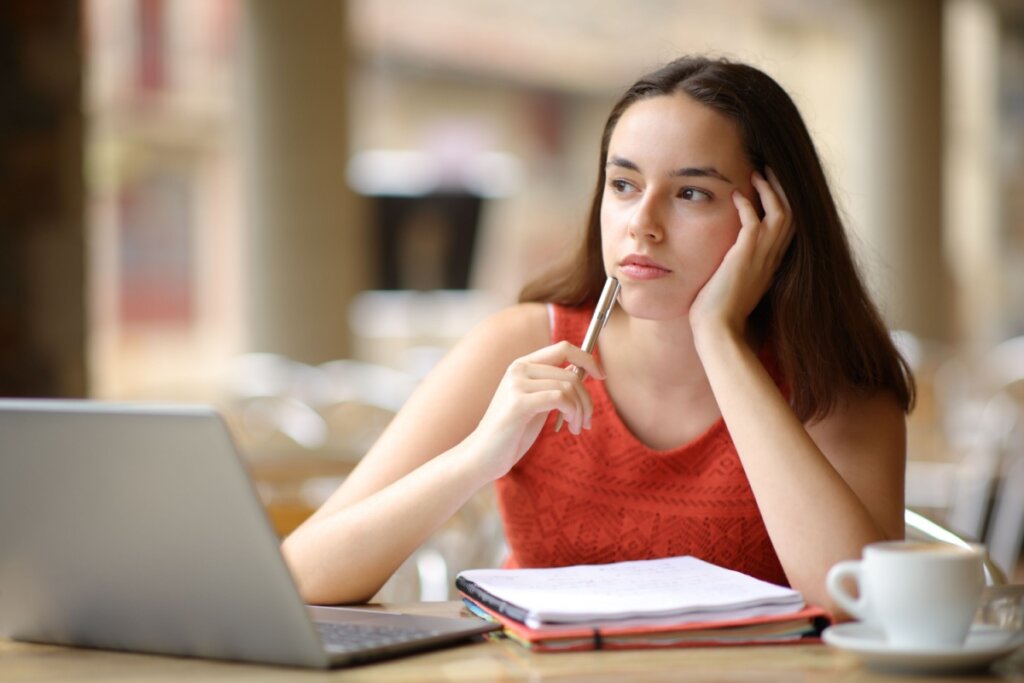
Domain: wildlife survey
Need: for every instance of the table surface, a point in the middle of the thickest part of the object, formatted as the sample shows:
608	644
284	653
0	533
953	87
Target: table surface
495	660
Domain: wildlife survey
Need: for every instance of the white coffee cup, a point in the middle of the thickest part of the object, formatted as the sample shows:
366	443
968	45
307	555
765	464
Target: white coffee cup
920	595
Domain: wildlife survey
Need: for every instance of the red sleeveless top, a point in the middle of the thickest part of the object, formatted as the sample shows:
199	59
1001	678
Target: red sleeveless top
604	496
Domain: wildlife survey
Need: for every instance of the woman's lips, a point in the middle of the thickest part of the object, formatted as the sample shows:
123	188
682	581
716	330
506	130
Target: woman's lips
639	267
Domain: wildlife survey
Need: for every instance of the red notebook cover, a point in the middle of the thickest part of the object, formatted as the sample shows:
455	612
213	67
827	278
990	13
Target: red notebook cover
803	626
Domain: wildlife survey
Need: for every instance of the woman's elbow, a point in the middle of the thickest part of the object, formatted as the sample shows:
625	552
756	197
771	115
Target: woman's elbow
315	583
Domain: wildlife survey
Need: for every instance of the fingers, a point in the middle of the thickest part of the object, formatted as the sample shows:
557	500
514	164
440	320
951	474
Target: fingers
787	225
564	353
750	222
538	378
569	399
777	186
544	383
778	214
774	210
776	229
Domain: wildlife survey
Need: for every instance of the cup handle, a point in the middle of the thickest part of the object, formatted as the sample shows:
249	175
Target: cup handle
850	569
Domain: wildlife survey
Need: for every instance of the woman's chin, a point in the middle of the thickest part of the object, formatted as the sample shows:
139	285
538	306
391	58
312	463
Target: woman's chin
651	308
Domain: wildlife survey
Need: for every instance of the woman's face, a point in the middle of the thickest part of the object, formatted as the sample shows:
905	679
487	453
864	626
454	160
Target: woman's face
667	214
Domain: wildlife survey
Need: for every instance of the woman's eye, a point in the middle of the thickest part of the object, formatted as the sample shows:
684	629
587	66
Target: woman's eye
619	185
694	195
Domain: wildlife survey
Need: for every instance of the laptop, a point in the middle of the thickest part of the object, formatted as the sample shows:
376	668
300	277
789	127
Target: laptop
137	528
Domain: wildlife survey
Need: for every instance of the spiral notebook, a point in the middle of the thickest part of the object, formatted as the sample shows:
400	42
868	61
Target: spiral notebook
669	602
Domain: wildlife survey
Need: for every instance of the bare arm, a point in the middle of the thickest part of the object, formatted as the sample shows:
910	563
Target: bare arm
467	424
826	489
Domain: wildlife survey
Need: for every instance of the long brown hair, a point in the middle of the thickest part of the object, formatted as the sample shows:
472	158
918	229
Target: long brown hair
828	338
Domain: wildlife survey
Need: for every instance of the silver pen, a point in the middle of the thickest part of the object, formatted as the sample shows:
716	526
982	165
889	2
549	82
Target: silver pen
602	312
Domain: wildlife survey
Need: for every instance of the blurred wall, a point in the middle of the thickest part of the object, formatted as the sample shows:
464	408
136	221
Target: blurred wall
895	158
308	237
527	79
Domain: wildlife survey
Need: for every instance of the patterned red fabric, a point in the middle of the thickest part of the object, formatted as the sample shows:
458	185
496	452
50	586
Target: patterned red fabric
604	496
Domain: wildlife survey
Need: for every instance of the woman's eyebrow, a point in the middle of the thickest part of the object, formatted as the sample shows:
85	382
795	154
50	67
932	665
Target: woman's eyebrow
699	172
685	172
622	162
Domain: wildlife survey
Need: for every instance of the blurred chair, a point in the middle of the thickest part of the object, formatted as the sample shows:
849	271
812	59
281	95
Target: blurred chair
266	396
1003	368
1004	365
337	408
412	330
303	428
368	383
1005	537
965	469
357	401
981	404
975	477
953	446
920	528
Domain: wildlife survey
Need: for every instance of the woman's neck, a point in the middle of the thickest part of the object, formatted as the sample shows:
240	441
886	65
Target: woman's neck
656	381
656	353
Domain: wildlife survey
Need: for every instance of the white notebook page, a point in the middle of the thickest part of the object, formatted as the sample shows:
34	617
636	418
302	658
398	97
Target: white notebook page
623	590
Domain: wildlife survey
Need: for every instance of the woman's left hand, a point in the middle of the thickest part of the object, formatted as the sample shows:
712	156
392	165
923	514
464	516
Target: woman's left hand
746	272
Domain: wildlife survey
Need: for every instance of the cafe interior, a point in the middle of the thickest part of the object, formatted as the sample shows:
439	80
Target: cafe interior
291	210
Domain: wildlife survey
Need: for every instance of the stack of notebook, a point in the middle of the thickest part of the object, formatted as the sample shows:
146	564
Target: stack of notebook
671	602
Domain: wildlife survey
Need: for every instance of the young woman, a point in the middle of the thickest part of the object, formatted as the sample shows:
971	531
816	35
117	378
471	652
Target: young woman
744	404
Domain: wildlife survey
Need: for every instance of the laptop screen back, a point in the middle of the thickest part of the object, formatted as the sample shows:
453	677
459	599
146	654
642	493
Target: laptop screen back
137	528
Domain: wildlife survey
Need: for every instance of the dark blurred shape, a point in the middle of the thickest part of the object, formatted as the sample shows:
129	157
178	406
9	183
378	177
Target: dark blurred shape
426	242
42	300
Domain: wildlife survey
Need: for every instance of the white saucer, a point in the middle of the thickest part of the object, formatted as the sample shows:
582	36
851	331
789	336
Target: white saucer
984	645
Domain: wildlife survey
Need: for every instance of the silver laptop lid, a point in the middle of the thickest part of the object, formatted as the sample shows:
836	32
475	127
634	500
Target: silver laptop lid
136	528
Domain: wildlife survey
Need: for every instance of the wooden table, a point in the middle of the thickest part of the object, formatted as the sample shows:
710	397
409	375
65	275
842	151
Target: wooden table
487	661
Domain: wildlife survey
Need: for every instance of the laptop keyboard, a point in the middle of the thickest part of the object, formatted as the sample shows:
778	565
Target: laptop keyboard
355	637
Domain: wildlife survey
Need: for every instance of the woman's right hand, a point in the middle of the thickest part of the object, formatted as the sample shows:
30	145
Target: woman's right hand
530	389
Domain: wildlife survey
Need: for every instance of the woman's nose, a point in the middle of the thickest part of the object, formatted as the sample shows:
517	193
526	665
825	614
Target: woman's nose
645	223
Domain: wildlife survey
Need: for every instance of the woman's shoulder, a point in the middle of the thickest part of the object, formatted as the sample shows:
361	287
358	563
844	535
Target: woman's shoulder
860	417
513	331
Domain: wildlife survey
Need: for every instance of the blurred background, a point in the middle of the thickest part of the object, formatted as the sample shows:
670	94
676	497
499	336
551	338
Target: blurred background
292	209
